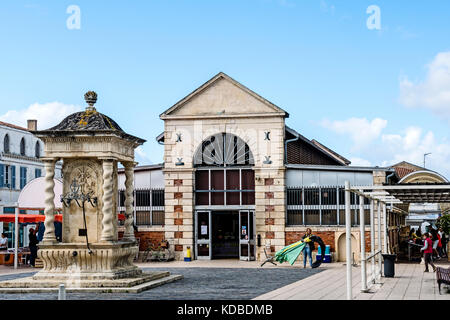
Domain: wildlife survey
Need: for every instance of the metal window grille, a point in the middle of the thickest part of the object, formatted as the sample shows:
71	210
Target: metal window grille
234	186
148	206
324	206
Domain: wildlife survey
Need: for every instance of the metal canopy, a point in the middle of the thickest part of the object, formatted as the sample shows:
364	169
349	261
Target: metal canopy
422	196
412	193
383	195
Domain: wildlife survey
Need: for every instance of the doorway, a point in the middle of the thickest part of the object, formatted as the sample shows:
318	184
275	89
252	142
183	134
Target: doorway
225	235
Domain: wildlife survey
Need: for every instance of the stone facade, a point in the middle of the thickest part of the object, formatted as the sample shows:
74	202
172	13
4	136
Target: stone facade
179	220
17	169
91	145
270	208
223	106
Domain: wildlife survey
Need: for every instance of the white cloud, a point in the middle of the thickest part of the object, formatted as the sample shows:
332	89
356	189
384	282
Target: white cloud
359	162
412	145
383	149
361	130
47	114
433	92
142	157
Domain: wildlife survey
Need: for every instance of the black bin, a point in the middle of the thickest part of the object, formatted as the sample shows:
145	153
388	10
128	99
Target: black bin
389	265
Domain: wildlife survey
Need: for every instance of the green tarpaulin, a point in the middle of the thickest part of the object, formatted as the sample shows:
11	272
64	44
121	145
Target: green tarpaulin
290	253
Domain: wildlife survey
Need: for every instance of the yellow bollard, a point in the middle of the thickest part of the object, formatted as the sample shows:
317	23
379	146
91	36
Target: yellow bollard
187	258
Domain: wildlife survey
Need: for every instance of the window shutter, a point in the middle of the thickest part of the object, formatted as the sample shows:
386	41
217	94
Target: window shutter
2	175
13	177
23	177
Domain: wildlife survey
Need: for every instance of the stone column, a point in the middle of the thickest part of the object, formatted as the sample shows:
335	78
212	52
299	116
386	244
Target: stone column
107	210
129	219
49	234
270	207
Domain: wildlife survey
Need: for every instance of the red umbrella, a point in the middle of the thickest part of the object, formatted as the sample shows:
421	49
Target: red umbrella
27	218
35	218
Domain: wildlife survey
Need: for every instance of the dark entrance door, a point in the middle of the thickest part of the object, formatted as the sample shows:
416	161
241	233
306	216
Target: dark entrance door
225	234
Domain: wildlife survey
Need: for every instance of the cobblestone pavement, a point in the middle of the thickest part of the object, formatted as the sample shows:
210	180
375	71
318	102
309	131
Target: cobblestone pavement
198	284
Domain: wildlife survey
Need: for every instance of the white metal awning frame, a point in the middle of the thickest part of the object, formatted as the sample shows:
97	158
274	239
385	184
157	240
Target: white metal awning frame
381	196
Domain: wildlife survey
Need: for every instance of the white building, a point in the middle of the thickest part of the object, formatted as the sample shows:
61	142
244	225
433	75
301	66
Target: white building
20	153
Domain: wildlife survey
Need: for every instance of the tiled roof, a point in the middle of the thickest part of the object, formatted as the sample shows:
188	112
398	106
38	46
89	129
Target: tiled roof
404	168
336	158
334	154
402	172
6	124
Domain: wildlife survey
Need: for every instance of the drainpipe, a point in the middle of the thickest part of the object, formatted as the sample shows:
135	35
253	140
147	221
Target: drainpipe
389	176
285	148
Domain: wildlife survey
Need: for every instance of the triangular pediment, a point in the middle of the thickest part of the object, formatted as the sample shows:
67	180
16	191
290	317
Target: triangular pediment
222	96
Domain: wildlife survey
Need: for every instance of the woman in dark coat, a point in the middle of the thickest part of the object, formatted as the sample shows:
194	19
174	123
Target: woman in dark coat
33	241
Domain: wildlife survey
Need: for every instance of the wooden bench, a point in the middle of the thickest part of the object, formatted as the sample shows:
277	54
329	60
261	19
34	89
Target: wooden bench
442	276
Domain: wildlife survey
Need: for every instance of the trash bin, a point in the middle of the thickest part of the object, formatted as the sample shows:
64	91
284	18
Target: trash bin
389	265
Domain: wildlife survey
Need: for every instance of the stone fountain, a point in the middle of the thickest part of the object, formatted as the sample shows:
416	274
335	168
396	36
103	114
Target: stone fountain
90	256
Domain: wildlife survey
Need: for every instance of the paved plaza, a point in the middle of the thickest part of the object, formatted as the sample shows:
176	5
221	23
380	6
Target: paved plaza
219	281
409	283
241	280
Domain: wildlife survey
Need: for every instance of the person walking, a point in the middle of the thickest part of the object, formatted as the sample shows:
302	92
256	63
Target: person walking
435	241
427	251
33	241
309	248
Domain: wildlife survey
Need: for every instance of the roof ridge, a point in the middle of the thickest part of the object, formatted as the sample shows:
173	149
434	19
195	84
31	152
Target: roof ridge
334	153
208	83
311	143
7	124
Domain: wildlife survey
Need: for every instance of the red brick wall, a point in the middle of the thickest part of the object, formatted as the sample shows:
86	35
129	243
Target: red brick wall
326	236
367	237
155	237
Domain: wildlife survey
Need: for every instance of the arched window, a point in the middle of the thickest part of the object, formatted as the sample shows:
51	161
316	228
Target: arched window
37	150
6	144
22	147
223	150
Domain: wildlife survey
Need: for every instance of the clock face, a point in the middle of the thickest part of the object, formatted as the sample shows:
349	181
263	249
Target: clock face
86	179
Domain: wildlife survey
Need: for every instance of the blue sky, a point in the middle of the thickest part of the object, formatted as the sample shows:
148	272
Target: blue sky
374	96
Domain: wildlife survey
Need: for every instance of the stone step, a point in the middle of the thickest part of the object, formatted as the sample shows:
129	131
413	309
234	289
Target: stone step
135	289
29	282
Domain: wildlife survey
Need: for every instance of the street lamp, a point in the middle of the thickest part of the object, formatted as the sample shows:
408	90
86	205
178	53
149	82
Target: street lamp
424	155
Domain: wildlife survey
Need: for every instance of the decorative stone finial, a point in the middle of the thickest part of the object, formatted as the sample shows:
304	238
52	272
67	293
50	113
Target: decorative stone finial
91	99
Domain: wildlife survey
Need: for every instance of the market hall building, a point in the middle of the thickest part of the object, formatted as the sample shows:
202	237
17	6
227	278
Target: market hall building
236	180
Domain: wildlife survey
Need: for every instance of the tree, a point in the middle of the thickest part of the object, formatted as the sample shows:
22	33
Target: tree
444	223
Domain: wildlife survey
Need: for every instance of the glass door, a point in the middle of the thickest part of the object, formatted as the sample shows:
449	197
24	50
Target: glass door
247	235
203	235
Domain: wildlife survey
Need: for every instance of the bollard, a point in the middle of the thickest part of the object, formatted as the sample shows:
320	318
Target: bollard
62	292
188	258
